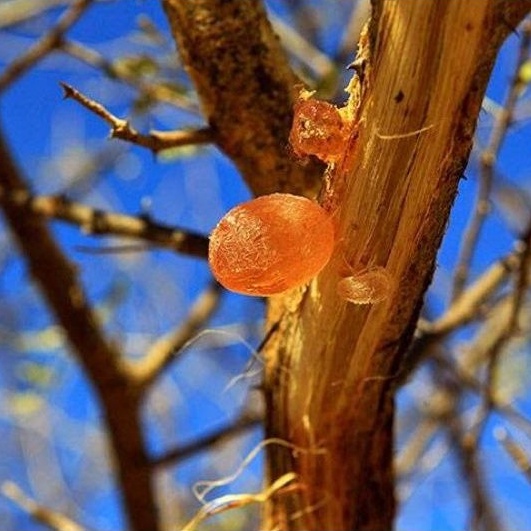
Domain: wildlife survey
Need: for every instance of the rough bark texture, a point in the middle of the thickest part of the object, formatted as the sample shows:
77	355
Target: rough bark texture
246	89
330	371
331	365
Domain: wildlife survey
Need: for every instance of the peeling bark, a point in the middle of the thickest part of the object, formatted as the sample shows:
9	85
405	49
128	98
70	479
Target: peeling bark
330	372
331	365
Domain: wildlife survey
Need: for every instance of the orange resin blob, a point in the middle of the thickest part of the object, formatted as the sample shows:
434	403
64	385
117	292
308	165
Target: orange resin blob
271	244
318	129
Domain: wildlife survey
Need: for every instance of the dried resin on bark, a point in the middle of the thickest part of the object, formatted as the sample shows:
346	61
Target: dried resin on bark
366	287
318	129
271	244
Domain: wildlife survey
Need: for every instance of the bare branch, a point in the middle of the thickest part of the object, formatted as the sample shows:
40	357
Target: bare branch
358	18
465	308
16	11
155	140
487	162
167	349
154	91
506	334
101	360
42	514
440	403
101	222
48	43
206	442
520	458
483	513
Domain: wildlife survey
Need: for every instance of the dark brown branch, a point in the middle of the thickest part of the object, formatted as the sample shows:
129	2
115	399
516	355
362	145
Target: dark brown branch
246	88
101	222
101	360
206	442
167	349
50	41
155	140
44	515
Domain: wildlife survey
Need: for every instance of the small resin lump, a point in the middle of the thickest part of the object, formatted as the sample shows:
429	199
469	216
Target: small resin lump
318	129
271	244
366	287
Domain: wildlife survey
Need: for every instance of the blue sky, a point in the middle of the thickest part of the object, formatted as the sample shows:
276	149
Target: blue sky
146	294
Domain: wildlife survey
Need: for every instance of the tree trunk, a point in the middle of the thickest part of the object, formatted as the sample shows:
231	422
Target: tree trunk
331	367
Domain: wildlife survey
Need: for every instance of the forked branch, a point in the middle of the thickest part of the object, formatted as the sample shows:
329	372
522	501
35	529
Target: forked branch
102	361
105	223
155	140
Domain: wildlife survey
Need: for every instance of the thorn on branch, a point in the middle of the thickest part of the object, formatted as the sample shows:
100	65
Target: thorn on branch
155	141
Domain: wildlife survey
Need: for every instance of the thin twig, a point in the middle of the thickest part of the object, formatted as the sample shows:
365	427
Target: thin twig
153	91
465	308
304	50
101	222
410	453
507	333
166	350
487	162
13	12
50	41
519	456
155	140
469	382
484	515
101	359
43	515
361	13
173	457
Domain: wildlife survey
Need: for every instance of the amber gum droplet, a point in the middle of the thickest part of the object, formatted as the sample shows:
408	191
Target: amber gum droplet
318	129
271	244
367	287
